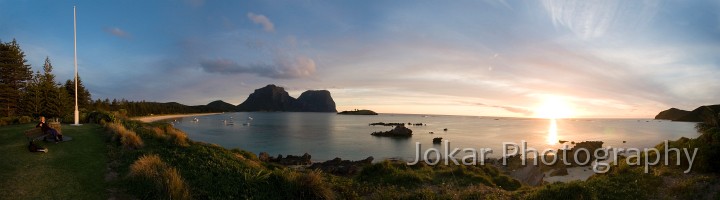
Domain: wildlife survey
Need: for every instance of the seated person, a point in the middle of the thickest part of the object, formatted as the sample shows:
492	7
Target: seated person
45	127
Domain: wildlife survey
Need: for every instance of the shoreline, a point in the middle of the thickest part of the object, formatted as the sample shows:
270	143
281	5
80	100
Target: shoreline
152	118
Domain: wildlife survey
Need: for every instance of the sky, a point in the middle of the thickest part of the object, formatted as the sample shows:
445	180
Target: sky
615	58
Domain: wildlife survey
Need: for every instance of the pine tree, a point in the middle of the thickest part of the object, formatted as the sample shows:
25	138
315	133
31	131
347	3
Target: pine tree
50	95
84	98
31	100
14	74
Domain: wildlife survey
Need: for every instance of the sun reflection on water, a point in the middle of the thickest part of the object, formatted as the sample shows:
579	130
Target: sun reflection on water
552	137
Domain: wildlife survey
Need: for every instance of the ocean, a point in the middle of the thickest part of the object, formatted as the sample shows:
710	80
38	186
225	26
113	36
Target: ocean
326	136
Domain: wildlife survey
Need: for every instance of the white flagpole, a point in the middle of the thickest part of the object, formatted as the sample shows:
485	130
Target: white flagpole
77	112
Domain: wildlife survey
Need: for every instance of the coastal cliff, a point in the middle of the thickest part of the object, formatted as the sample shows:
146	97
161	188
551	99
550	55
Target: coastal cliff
671	114
272	98
695	115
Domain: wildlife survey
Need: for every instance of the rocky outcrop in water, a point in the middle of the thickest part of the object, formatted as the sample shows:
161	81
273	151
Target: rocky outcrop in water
398	131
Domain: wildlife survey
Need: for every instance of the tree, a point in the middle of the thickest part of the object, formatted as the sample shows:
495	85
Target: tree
14	74
51	102
84	98
31	100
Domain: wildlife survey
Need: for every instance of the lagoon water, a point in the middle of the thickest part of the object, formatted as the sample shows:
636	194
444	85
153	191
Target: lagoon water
328	135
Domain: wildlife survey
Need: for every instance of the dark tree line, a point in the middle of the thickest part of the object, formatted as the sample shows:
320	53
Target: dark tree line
24	93
27	94
143	108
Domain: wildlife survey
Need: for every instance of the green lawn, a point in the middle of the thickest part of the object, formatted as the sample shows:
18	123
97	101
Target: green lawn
70	170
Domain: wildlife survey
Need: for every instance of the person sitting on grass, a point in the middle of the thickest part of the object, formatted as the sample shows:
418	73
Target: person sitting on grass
45	127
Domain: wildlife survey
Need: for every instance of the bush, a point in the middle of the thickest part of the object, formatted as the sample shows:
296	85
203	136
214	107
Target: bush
127	138
572	190
178	137
25	119
166	180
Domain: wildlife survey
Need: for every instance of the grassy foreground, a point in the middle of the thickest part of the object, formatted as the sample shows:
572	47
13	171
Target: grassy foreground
70	170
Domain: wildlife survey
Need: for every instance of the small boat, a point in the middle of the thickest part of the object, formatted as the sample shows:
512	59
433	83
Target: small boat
246	124
196	120
250	118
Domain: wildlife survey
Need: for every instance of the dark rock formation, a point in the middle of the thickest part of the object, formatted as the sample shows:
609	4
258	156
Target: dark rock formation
220	106
268	98
398	131
386	124
437	140
358	112
289	160
272	98
671	114
342	167
314	101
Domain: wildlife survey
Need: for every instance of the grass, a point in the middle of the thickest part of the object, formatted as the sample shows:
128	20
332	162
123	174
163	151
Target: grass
167	165
70	170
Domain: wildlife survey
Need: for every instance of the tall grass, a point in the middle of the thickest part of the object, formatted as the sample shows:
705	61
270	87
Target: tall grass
166	180
128	138
169	133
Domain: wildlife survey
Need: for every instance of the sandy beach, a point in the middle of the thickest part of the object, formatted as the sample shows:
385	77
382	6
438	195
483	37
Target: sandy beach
161	117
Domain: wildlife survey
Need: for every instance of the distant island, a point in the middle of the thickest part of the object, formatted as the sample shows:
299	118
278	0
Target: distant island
357	112
272	98
696	115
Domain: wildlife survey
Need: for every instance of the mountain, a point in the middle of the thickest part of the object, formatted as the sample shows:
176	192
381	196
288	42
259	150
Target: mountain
696	115
700	112
315	101
220	106
671	114
273	98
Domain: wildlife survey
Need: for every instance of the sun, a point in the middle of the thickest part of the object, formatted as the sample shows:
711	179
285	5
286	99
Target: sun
554	108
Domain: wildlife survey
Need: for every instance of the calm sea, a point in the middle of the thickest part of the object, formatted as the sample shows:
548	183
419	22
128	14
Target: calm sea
328	135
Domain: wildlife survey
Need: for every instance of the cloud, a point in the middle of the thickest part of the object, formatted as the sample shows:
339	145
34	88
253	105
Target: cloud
282	68
117	32
514	109
591	19
268	26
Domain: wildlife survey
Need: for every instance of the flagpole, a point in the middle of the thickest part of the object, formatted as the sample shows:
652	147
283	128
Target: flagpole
77	112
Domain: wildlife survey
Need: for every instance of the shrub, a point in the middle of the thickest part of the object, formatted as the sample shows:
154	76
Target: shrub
178	137
128	138
167	182
25	119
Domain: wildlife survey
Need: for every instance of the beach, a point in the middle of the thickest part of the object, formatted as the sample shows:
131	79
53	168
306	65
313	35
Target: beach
153	118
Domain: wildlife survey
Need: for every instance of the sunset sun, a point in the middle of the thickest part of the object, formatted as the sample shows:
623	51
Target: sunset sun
553	108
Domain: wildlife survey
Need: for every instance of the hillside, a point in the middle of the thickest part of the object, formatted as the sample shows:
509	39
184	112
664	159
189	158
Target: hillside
695	115
671	114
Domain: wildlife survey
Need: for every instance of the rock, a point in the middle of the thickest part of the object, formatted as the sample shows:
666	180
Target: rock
268	98
272	98
398	131
437	140
341	167
386	124
559	172
358	112
314	101
288	160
